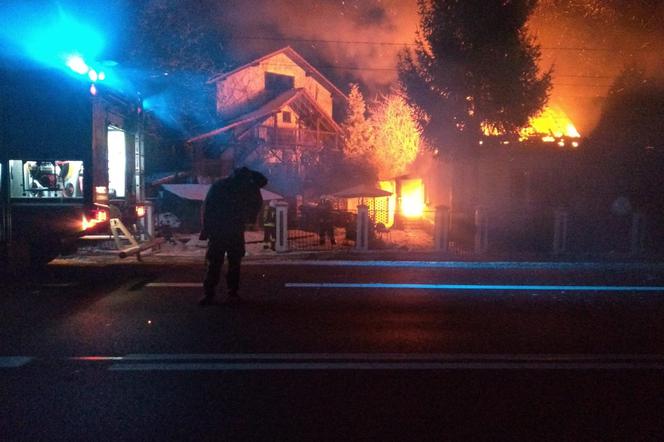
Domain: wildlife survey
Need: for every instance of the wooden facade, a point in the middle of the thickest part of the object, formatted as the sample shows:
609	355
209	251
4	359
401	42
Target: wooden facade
276	115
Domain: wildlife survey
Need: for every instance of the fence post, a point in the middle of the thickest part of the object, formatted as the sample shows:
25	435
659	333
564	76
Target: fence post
441	229
637	234
362	233
560	218
281	233
481	231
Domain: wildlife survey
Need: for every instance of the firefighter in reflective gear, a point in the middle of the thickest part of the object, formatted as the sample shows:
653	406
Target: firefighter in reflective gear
230	204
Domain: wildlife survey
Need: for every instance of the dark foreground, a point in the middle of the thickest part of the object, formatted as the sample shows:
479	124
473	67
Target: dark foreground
117	353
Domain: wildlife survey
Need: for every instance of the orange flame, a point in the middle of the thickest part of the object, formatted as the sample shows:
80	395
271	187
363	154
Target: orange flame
551	125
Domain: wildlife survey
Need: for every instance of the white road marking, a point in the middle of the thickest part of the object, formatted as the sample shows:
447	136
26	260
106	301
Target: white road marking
361	361
221	366
510	287
545	357
175	284
14	361
383	361
59	284
467	264
492	287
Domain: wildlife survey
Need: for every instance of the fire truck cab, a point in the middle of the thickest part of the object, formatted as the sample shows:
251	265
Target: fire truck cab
70	150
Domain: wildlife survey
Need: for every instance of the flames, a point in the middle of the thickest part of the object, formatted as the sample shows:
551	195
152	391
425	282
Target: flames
407	197
552	125
412	198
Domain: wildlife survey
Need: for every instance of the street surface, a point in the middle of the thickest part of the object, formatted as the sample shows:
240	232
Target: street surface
327	350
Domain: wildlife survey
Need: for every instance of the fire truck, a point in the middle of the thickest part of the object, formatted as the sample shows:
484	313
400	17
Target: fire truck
71	158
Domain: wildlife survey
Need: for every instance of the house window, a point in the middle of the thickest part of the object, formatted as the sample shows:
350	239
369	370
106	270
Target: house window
277	83
286	117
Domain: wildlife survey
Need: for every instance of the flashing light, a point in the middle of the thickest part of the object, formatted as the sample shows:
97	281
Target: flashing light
93	89
49	35
92	75
77	64
102	76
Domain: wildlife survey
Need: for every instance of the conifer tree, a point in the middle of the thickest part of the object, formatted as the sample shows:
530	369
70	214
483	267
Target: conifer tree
358	132
474	64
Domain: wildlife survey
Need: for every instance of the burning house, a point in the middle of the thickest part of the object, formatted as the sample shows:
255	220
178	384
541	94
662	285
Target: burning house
518	183
277	115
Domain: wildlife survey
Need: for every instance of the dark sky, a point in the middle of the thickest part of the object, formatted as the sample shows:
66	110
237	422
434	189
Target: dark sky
588	42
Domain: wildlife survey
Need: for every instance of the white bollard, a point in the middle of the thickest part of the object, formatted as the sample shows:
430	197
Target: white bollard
362	233
281	213
560	218
441	229
149	218
481	231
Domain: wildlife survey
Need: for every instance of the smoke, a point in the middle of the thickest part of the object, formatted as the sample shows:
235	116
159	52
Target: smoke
348	41
589	42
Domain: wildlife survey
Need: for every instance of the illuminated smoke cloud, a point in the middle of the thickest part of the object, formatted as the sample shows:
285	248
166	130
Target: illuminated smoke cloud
303	24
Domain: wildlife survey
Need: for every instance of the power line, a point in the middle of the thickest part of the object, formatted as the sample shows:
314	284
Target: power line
395	69
317	40
395	43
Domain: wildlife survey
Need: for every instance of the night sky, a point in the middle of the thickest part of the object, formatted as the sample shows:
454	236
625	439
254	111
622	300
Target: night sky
588	42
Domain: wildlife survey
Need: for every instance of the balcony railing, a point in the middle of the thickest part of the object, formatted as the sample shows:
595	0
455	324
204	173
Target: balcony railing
297	136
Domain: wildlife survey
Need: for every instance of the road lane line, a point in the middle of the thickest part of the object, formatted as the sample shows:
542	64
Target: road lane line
510	287
59	284
535	357
14	361
385	361
418	366
468	264
493	287
377	365
96	358
175	284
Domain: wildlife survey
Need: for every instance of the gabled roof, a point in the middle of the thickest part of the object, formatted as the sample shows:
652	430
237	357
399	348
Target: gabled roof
271	107
297	58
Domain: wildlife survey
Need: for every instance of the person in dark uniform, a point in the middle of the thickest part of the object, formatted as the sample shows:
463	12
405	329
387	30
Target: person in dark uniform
325	222
229	205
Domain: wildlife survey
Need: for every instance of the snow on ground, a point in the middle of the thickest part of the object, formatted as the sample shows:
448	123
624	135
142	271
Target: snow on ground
187	245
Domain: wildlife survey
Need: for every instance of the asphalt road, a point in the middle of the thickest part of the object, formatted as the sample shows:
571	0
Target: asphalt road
334	351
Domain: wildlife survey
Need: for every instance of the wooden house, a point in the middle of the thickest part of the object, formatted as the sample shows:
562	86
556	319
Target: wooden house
277	115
